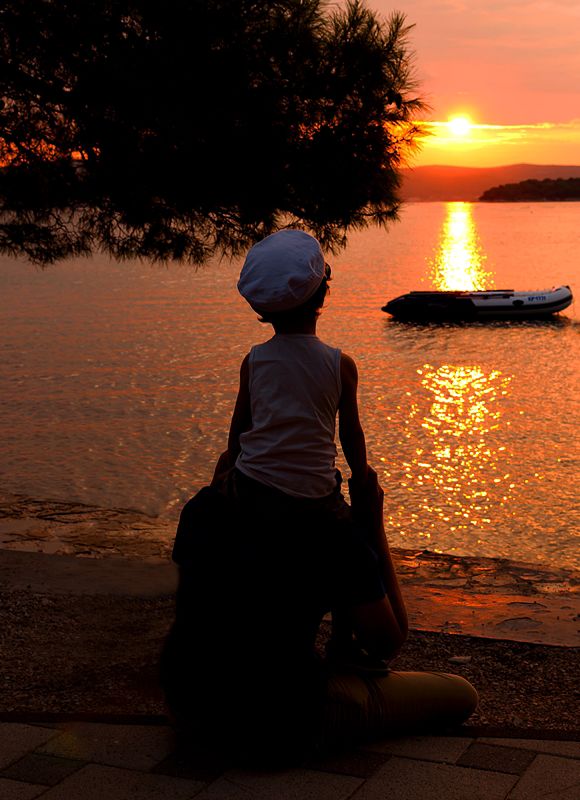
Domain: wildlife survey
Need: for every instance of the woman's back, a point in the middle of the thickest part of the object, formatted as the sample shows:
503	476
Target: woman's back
242	631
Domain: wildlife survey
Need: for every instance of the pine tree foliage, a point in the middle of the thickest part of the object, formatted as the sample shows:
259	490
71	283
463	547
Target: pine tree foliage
187	128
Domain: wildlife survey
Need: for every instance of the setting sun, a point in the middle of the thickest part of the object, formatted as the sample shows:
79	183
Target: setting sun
459	126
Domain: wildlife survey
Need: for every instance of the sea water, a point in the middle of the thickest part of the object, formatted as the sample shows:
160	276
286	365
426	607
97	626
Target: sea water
118	379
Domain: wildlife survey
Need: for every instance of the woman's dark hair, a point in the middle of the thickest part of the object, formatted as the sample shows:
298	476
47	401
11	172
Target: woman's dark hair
308	310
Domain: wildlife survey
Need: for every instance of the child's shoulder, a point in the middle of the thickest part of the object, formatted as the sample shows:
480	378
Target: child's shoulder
348	370
329	345
347	360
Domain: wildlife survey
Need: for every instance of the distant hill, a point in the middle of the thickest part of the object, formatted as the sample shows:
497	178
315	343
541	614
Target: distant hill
534	191
469	183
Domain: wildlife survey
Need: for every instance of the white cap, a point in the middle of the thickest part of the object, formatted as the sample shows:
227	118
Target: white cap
282	271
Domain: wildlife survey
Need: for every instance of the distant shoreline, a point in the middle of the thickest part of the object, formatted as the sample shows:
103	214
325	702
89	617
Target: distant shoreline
489	202
527	200
439	183
534	191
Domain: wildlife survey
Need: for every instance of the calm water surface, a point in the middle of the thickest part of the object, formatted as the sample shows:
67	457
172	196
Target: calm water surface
118	380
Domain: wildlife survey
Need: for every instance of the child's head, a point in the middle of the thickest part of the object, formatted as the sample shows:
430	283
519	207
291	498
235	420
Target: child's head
285	278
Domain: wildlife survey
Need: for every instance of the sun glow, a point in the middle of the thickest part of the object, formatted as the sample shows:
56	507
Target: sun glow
459	126
461	141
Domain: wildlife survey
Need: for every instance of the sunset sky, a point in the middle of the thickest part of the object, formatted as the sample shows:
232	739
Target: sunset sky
511	66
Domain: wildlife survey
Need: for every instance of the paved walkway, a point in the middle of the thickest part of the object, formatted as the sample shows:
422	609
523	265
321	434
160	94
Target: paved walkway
102	761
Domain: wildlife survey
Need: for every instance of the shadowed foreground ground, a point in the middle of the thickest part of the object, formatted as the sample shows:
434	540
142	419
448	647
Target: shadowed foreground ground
98	653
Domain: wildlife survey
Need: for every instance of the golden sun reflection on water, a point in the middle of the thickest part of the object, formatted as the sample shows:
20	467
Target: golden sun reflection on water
459	259
455	473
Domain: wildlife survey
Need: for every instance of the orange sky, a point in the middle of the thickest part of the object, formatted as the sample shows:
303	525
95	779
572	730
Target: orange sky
513	66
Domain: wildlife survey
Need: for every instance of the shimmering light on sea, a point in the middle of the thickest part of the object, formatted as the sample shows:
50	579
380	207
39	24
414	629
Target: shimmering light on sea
459	260
457	465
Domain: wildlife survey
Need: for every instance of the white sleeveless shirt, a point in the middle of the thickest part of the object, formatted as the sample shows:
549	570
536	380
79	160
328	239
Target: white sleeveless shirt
294	382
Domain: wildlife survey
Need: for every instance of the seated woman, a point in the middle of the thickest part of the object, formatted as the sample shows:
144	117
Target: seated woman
272	546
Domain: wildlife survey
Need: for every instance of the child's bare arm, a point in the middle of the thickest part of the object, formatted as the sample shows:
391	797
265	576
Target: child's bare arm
366	498
242	416
352	438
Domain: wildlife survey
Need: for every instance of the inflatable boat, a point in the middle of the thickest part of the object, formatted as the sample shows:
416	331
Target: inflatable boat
484	305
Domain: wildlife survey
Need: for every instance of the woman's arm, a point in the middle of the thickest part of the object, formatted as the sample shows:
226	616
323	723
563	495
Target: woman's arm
384	621
378	629
367	505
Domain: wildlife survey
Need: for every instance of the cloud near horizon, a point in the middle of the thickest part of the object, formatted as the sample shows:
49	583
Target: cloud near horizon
494	145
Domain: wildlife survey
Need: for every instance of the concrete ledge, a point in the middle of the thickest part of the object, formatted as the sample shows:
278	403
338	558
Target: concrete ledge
42	574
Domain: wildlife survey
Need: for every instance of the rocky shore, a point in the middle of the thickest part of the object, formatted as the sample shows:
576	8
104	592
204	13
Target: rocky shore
81	626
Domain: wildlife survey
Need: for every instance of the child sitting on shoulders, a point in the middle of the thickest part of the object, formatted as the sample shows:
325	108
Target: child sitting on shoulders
292	388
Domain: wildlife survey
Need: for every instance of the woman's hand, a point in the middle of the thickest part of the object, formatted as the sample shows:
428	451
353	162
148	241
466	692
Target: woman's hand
366	497
367	505
221	470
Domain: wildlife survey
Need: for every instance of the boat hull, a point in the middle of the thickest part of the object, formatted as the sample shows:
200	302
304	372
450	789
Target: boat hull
485	305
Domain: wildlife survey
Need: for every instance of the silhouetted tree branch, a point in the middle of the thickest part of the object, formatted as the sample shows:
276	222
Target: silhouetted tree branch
180	129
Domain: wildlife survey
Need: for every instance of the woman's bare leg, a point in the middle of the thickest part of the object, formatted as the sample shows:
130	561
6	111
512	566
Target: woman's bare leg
362	708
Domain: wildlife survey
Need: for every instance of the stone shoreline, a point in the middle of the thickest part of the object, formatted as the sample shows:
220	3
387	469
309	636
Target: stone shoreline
486	597
78	529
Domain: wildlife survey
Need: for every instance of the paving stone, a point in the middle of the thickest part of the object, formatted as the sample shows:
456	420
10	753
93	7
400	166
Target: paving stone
194	763
41	768
97	782
16	790
555	748
129	746
407	779
497	758
427	748
549	777
359	763
296	784
16	740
